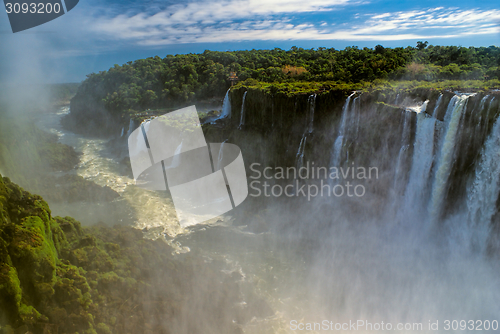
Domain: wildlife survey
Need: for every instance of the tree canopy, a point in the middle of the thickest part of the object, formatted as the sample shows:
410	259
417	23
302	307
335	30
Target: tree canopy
159	82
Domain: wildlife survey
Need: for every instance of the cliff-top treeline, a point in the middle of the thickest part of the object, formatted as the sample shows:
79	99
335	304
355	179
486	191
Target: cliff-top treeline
174	80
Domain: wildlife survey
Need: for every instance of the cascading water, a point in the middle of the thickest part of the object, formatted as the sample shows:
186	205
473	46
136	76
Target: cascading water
488	113
438	104
481	108
337	146
356	106
452	122
242	116
421	162
483	103
403	151
483	194
220	156
311	101
176	160
130	127
300	152
226	106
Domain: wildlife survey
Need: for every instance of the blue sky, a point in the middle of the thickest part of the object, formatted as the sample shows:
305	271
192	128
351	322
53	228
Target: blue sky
95	35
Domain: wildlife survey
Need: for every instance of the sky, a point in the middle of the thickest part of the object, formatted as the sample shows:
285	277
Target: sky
95	35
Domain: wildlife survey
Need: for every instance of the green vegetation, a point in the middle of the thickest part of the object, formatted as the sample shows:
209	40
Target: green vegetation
59	277
180	79
60	94
29	155
304	87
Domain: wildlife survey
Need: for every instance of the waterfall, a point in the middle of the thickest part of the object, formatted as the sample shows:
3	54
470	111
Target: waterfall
356	109
131	125
226	106
300	153
337	146
488	115
123	130
402	155
483	102
452	120
438	104
242	116
483	194
423	157
220	156
481	109
176	159
311	101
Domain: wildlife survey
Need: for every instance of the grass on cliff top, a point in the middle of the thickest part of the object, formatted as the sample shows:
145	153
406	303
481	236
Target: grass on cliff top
297	88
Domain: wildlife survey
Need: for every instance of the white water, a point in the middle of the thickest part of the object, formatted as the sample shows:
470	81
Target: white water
356	106
337	146
488	112
403	151
226	106
238	252
481	109
176	160
130	127
483	194
311	101
438	104
483	102
220	156
142	208
445	162
423	157
300	153
311	105
242	116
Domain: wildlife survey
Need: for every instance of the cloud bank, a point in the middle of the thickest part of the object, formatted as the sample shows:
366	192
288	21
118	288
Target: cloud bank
253	20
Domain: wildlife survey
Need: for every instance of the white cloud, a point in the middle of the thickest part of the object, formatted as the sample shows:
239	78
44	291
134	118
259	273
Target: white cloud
176	18
239	20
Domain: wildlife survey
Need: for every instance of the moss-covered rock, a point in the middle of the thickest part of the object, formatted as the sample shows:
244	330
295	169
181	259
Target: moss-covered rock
56	276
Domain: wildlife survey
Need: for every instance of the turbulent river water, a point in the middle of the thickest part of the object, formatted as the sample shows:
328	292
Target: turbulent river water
369	270
254	257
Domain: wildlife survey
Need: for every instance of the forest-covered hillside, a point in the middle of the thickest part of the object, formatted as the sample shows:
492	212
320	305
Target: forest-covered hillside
59	277
175	80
